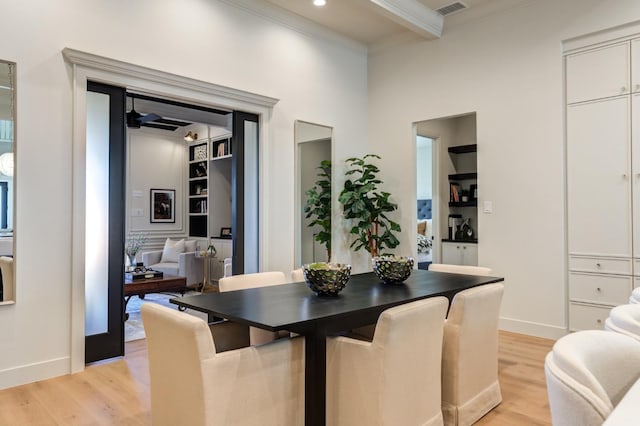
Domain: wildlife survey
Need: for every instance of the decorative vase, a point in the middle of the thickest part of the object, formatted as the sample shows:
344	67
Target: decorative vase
132	260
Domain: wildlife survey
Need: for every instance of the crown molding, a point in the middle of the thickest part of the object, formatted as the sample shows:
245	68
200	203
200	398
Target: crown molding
413	15
89	60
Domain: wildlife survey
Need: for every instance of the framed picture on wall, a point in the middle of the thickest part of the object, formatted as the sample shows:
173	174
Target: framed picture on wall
163	206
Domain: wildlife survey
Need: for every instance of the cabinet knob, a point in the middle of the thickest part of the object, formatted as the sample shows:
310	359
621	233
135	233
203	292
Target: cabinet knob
599	321
597	265
623	89
598	289
457	247
624	176
464	247
637	86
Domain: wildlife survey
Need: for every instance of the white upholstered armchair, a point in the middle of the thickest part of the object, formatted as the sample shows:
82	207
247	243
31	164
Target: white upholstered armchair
191	384
592	376
177	258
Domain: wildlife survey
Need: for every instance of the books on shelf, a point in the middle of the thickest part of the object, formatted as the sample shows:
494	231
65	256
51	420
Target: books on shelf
454	192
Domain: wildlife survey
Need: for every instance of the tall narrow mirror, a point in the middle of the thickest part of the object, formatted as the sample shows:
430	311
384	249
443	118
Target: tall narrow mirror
7	145
313	147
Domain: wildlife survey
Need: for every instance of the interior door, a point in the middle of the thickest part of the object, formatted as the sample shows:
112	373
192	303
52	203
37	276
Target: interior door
104	245
244	192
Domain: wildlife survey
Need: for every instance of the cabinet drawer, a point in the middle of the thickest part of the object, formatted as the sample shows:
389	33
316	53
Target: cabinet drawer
600	265
636	267
583	317
602	289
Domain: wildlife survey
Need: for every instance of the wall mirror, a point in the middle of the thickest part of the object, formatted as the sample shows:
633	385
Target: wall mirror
313	148
7	148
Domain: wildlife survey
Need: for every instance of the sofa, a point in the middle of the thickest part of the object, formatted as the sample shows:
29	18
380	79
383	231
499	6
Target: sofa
176	258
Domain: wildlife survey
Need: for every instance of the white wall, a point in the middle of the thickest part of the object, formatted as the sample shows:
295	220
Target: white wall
209	40
508	69
155	160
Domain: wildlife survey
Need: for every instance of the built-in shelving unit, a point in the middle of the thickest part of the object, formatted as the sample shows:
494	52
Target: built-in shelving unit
463	203
198	189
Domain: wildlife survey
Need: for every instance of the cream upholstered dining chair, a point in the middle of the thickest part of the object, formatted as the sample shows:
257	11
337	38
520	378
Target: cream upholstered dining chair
297	275
624	319
460	269
191	384
470	386
366	332
635	296
589	373
257	336
395	378
6	269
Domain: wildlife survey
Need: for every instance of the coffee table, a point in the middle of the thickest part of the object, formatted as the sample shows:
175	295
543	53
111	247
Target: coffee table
165	284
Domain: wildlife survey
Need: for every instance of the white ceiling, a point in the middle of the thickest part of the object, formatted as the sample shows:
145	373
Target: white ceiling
361	20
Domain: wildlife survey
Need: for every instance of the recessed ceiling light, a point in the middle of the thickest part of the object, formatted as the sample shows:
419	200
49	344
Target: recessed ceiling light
319	2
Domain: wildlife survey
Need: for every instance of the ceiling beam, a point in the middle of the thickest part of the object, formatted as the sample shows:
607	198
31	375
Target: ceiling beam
413	15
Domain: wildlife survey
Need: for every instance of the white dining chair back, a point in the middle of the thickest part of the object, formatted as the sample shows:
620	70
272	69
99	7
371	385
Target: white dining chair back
460	269
470	386
297	275
6	269
625	319
395	378
258	279
635	296
191	384
257	336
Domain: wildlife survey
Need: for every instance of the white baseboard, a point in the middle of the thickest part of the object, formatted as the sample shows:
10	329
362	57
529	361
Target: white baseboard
30	373
532	328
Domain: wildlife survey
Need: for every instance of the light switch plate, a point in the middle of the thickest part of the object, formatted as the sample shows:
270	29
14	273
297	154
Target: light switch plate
136	194
487	207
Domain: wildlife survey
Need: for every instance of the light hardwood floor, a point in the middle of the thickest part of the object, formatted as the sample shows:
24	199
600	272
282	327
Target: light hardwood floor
117	392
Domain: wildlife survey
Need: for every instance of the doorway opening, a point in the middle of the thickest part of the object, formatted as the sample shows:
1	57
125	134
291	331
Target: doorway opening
424	197
453	203
186	170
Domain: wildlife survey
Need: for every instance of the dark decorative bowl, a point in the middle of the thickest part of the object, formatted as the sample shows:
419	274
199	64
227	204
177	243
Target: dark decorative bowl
326	279
392	269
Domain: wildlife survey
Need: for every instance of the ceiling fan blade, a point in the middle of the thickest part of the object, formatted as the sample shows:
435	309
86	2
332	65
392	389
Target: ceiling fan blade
159	126
149	117
173	122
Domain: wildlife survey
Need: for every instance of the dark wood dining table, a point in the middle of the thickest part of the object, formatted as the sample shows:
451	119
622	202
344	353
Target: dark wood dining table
294	307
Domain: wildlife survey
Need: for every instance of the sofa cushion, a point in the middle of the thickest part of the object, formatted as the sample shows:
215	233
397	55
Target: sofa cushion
170	268
172	250
190	245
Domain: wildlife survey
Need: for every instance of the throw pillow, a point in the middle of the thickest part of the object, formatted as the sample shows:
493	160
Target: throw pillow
422	227
172	250
190	246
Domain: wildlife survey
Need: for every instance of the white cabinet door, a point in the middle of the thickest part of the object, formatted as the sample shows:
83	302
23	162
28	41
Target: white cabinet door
598	178
635	65
598	73
451	254
470	254
635	167
460	254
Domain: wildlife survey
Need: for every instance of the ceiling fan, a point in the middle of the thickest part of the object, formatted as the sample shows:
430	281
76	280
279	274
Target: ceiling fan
135	120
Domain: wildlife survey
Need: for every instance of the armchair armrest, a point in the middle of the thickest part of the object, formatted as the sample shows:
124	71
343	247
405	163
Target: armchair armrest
151	257
191	267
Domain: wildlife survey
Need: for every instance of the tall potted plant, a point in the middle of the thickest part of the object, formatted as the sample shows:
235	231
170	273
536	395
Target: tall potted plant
318	206
368	207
